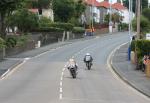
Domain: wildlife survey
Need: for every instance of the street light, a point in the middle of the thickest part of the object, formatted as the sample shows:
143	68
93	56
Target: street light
110	17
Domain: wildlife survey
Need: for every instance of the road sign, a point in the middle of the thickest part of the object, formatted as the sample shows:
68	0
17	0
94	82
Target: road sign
148	36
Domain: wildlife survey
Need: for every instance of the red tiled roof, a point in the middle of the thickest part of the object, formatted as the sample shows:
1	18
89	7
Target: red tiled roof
91	2
104	4
118	6
34	10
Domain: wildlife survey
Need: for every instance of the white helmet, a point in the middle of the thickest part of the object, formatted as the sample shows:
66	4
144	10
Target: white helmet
87	53
71	60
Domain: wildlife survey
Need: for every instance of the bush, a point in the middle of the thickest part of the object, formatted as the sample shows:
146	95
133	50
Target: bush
21	40
44	22
2	43
142	47
123	26
146	13
11	42
74	21
64	26
48	29
78	30
14	41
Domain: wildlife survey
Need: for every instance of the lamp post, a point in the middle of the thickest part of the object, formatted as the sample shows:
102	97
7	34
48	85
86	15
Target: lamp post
138	18
110	17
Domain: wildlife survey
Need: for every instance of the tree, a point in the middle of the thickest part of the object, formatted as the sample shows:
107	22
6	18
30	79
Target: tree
144	24
63	9
144	4
39	3
146	13
24	20
79	8
115	18
6	8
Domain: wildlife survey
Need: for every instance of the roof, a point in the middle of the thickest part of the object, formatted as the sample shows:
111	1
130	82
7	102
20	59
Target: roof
34	10
104	4
92	2
118	6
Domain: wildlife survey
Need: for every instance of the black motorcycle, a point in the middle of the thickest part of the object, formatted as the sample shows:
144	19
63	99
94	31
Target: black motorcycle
88	65
73	71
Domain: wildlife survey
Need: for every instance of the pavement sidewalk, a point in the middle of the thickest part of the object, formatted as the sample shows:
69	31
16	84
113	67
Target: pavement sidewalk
127	71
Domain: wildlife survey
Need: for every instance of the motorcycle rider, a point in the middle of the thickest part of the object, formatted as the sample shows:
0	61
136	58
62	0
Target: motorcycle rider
88	59
72	63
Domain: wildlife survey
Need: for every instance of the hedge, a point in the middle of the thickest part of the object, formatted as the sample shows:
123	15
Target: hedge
142	47
13	41
48	29
2	43
78	30
64	26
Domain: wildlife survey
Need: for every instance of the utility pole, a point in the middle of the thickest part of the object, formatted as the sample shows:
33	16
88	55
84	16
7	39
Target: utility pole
138	18
110	17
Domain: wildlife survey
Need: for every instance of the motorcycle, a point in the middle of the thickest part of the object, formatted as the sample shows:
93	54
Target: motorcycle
88	65
73	72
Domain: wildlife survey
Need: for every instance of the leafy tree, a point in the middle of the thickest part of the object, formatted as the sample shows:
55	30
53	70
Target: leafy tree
63	9
39	3
6	8
79	8
146	13
144	4
115	18
144	24
24	20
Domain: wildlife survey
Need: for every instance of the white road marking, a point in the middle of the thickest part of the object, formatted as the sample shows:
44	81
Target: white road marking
60	96
61	84
5	73
9	72
60	90
62	73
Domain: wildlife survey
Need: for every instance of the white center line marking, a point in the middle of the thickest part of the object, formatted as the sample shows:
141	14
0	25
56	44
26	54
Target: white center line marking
61	78
61	84
60	90
62	73
60	96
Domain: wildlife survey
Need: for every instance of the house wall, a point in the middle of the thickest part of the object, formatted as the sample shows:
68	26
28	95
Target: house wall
125	14
48	13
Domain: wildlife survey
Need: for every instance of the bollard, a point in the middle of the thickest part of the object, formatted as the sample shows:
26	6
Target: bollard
148	70
132	57
129	51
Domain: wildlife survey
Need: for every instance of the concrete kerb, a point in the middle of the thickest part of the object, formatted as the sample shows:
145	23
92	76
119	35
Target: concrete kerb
121	77
9	69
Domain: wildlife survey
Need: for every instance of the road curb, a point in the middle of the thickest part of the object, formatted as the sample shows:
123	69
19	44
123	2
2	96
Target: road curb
11	68
123	78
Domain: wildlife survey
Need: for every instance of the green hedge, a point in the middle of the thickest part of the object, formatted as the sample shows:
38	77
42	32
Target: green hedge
2	43
142	47
14	41
48	29
78	30
123	26
64	26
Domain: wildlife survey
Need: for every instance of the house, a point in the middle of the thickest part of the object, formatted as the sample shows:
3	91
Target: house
43	11
92	11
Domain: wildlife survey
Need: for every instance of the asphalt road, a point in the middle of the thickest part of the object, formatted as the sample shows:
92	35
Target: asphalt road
43	79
